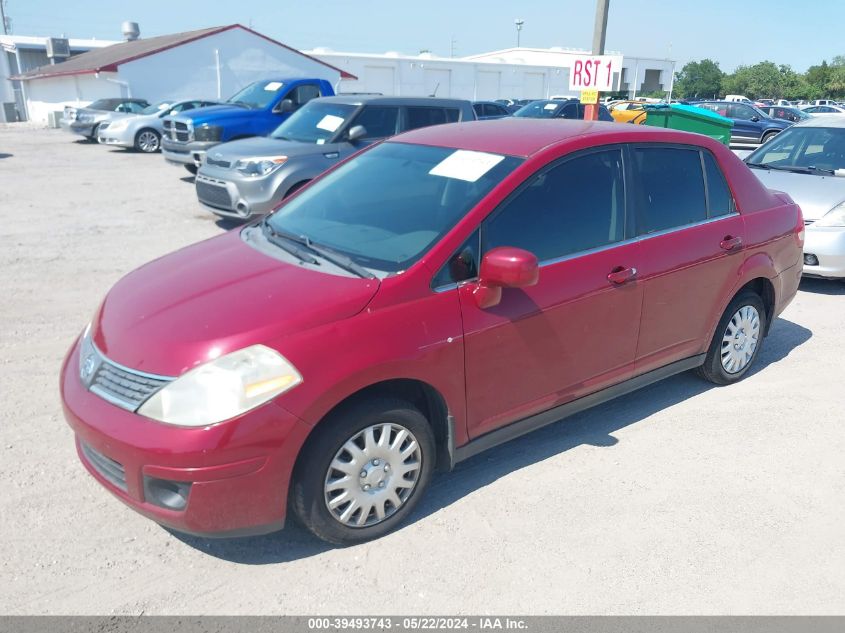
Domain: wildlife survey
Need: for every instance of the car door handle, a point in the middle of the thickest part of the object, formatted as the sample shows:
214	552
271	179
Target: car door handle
621	275
730	243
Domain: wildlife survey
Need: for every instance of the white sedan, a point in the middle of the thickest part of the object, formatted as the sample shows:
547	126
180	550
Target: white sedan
807	161
823	109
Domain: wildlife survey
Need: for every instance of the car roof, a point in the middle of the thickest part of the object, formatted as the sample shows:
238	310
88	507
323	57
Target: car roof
827	119
382	100
515	136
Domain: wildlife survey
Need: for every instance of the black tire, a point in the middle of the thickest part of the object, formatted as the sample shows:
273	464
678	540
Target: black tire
308	496
296	188
95	133
713	370
768	136
146	147
192	168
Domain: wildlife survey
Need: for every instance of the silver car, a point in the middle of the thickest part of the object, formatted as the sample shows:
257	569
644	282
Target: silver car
249	177
86	121
807	161
143	131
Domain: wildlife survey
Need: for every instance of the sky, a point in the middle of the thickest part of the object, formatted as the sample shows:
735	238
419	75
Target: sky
782	31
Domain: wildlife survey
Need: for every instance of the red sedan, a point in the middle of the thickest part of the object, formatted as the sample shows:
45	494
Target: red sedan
427	299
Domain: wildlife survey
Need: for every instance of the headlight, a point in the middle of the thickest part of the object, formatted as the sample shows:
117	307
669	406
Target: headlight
223	388
834	217
260	166
212	133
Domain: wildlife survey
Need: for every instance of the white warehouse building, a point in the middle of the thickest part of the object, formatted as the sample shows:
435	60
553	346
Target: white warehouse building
513	73
211	63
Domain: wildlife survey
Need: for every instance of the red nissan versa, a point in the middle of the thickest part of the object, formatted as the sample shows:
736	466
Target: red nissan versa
429	298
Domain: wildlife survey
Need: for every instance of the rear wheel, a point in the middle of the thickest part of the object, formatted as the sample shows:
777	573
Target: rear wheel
147	141
737	340
192	168
364	472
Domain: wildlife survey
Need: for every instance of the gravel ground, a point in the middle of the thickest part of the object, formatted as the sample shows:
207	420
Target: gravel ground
681	498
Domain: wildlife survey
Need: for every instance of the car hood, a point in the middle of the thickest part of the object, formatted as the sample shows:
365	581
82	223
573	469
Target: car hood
263	146
816	195
211	114
216	297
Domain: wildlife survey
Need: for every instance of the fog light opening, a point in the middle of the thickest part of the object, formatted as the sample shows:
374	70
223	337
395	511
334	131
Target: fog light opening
164	493
810	260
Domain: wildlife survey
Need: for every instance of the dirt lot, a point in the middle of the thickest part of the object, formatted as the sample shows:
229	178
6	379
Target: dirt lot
680	498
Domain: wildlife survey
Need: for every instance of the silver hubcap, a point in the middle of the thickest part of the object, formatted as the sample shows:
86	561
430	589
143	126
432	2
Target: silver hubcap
148	142
740	340
372	475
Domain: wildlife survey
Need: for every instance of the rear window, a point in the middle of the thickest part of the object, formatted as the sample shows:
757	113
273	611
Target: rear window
421	116
671	188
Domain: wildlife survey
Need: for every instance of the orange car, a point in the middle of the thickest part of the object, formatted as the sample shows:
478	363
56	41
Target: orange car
628	112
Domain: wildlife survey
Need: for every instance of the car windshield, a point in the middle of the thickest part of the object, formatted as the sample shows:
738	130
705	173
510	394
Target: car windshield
538	110
385	208
257	95
812	149
315	122
157	107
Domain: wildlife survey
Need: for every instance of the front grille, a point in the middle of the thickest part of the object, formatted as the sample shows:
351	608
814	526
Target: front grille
808	222
213	194
177	131
124	387
225	164
107	468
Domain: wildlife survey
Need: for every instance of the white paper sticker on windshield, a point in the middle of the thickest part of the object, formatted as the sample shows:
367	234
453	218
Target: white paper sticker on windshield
466	165
550	106
273	86
330	122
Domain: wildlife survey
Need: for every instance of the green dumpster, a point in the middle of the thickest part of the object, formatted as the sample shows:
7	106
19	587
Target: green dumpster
690	119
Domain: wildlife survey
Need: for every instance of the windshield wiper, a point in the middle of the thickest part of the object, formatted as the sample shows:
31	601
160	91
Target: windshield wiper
329	254
800	169
758	165
286	243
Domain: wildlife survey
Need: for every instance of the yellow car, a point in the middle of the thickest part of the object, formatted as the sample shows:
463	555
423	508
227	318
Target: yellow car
628	112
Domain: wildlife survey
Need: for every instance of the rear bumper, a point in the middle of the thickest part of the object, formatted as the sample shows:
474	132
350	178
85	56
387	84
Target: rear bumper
827	244
75	127
235	475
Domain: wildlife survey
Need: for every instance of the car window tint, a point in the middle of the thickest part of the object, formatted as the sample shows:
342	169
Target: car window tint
720	201
303	94
480	109
671	188
461	266
379	121
740	111
423	117
569	111
574	206
452	115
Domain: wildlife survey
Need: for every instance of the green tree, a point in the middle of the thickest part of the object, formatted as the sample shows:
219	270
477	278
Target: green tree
699	79
835	87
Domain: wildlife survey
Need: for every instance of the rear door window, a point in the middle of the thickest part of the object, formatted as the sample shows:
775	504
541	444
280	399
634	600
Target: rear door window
670	191
303	94
719	199
423	116
379	121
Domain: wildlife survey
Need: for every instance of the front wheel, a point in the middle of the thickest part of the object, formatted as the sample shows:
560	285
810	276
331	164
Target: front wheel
364	471
737	340
147	141
768	136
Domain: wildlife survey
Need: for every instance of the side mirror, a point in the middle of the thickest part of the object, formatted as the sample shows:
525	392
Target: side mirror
285	105
755	118
504	267
355	133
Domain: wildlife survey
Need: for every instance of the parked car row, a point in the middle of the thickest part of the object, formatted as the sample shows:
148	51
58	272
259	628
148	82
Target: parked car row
433	295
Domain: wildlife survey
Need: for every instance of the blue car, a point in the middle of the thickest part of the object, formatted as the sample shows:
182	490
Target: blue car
750	124
559	109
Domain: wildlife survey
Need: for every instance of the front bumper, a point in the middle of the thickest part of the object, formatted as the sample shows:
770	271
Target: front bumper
85	128
123	138
191	153
227	194
238	471
827	244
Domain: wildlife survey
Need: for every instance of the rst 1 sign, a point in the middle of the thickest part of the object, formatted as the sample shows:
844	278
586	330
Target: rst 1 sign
594	72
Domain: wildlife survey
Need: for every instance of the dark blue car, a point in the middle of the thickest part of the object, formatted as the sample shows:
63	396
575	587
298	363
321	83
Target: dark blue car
489	110
751	124
559	109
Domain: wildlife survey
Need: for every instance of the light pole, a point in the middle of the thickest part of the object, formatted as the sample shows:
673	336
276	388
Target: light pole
519	24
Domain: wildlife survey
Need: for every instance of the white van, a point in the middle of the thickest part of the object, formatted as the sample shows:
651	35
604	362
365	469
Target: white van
738	98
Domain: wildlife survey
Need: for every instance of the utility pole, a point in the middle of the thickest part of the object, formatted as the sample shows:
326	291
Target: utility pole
591	111
3	17
518	22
